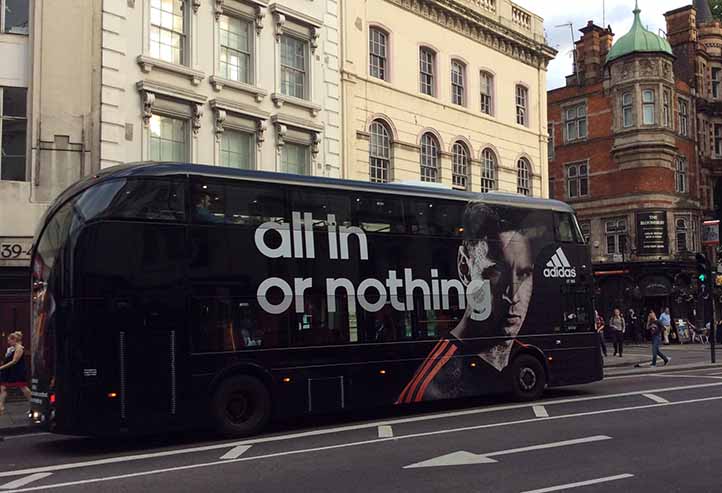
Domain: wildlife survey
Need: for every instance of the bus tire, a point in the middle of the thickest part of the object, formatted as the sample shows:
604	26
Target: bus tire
241	406
528	378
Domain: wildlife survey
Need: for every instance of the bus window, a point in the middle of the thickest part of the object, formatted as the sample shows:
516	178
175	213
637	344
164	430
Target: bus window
378	214
251	205
321	204
209	203
567	230
435	218
151	199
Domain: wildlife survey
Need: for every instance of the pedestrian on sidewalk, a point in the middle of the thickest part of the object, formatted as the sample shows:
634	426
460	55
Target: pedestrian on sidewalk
666	320
599	325
619	327
13	372
633	326
656	329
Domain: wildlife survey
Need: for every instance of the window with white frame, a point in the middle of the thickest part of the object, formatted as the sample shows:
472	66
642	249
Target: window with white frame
718	139
616	233
627	110
586	227
716	80
522	105
296	158
237	149
552	143
378	53
14	16
667	108
236	50
648	107
13	133
427	71
430	158
575	119
683	117
684	234
487	93
379	152
458	83
294	67
461	166
681	174
523	177
168	30
168	138
488	170
577	180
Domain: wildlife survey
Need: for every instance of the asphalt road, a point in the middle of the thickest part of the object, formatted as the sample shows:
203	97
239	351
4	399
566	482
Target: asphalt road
637	433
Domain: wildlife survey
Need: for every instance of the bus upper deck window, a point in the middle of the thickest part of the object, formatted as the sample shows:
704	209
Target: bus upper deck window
209	203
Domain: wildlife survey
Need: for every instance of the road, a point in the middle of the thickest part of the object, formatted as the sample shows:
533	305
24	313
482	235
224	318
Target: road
635	433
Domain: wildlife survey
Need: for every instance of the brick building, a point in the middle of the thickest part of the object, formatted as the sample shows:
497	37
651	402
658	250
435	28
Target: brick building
624	154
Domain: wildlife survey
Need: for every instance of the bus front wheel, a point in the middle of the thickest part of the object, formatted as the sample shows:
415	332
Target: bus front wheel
528	378
241	406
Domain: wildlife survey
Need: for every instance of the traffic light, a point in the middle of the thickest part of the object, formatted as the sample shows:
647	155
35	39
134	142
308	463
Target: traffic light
703	269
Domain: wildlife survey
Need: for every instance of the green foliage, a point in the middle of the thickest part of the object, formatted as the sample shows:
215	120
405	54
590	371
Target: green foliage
716	6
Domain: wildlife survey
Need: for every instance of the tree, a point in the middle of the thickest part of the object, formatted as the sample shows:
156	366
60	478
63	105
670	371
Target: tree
716	6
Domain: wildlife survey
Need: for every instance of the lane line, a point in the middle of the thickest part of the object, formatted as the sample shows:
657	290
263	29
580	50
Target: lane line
235	452
355	444
26	435
19	483
656	398
540	412
329	431
564	443
579	484
385	431
672	375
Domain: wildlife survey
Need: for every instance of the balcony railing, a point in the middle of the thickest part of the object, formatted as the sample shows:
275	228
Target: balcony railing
488	5
521	17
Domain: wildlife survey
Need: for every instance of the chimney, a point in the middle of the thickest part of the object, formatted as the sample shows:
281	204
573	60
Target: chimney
592	50
704	13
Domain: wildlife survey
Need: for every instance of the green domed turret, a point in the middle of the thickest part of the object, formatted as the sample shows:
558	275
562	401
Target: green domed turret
639	40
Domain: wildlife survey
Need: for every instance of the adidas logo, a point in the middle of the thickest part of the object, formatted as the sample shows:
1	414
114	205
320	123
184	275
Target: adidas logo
559	267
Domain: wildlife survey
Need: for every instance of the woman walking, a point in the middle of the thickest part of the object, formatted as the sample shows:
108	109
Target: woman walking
619	327
12	370
656	329
599	325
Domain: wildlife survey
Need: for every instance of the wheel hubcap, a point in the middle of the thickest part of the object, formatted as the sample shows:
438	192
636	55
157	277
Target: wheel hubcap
527	379
239	407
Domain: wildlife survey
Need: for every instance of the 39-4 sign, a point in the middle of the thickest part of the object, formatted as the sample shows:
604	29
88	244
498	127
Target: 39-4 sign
15	249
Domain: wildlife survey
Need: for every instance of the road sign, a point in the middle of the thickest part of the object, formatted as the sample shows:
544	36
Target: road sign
710	233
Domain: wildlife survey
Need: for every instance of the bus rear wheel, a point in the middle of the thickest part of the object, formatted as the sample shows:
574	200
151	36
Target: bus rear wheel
528	378
241	406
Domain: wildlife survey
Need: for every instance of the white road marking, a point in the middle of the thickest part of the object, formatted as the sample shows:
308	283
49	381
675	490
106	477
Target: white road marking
19	483
235	452
329	431
26	435
591	482
463	457
385	431
540	412
357	444
656	398
672	375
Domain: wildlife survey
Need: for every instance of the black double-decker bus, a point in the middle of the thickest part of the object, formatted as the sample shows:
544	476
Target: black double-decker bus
168	294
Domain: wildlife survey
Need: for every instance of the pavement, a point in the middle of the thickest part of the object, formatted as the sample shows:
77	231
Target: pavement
643	433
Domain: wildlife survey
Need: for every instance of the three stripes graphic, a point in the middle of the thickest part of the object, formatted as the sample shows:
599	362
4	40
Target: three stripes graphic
559	260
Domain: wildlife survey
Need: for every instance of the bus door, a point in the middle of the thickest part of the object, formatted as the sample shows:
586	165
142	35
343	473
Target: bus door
576	343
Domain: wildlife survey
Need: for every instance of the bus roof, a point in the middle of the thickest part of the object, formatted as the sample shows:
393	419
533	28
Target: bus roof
167	169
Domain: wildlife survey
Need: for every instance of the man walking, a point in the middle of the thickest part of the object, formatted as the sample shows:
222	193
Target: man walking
655	329
618	327
666	320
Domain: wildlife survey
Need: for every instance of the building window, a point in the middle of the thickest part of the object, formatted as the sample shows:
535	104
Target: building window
237	149
667	108
168	30
427	59
458	83
430	169
488	171
487	93
461	168
681	175
379	153
13	133
378	53
522	105
718	140
577	180
523	177
627	112
236	49
576	122
14	16
586	227
296	159
616	231
648	107
168	138
683	117
683	236
294	69
716	79
552	144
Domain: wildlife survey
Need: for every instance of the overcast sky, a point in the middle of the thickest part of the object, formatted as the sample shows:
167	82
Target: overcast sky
619	16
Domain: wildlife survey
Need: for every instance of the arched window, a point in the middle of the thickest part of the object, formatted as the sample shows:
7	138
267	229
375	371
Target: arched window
461	168
378	53
488	171
430	169
523	177
379	152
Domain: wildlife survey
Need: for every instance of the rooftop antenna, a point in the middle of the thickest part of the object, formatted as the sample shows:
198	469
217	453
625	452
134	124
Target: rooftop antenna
604	12
574	49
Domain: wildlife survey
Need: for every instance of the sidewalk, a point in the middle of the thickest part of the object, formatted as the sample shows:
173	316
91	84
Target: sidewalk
638	357
15	419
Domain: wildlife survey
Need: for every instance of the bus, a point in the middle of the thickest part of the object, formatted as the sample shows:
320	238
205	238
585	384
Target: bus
165	295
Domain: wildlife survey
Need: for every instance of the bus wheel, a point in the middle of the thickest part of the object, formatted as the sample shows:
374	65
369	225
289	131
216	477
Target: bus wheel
528	378
241	406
